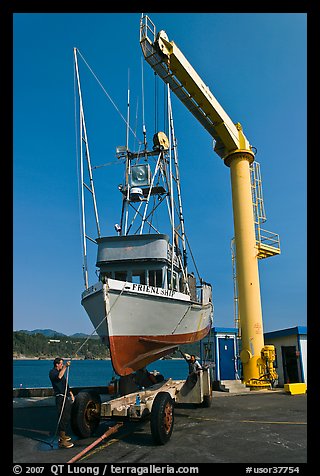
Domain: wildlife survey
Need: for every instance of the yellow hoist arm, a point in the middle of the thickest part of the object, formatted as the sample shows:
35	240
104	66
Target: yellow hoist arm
171	65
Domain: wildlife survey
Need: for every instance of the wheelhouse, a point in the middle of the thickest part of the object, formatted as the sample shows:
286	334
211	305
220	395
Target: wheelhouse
141	259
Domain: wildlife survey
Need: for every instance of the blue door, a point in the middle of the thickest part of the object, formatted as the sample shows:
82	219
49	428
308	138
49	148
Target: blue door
226	358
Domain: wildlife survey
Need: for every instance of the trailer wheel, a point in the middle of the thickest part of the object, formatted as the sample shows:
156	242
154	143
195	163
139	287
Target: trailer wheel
85	414
162	418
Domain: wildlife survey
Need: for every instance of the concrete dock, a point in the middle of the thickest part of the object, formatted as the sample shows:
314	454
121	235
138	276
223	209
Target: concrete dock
267	426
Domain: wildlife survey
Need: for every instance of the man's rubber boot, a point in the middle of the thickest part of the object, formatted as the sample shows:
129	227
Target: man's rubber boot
63	436
65	444
64	441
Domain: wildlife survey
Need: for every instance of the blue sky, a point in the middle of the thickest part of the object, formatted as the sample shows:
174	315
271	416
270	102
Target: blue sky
254	64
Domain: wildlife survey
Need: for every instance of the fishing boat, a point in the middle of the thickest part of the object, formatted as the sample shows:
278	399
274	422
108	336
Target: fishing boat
148	300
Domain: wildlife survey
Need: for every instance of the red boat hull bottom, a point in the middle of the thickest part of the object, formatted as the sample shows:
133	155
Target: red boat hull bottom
131	353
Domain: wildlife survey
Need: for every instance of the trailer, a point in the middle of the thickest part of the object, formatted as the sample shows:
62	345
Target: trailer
155	403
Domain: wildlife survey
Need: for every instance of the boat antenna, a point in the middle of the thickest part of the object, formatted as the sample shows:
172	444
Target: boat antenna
128	166
128	112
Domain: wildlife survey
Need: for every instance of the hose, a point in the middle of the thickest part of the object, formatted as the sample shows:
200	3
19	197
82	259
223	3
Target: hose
50	443
67	376
63	403
110	431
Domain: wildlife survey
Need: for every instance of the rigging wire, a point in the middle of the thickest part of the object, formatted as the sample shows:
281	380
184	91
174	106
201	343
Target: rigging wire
165	109
121	161
192	257
106	93
144	131
136	125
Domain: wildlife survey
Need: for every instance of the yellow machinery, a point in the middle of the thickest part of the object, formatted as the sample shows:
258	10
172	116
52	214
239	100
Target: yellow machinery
233	147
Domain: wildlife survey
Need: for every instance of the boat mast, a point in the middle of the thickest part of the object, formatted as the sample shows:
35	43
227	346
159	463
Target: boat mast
84	139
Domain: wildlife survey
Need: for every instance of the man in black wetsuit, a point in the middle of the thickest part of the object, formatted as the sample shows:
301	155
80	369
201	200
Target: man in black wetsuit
64	400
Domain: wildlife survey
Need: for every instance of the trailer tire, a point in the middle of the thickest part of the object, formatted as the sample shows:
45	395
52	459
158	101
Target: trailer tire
162	418
85	414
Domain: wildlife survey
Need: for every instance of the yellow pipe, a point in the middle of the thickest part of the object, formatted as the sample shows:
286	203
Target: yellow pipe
247	264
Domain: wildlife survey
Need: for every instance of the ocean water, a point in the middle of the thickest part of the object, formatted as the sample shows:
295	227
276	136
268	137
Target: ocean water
35	373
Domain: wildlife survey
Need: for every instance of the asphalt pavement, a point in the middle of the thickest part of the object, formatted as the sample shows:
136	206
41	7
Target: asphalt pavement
268	426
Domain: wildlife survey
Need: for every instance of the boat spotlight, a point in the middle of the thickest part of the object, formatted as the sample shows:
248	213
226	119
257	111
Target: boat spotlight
121	151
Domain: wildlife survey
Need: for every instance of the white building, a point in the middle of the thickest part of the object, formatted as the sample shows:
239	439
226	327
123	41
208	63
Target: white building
291	354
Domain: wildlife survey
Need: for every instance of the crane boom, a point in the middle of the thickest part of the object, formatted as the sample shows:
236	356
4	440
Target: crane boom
234	148
172	67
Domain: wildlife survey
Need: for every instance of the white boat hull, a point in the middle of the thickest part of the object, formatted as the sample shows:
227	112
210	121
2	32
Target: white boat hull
141	323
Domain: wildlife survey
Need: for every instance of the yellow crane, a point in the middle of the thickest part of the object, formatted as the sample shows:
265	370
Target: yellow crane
235	150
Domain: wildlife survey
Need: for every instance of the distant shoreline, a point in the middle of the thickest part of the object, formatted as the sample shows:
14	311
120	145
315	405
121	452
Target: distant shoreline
52	358
75	358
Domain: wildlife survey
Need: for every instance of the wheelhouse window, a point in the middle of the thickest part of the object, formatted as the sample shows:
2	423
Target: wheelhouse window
175	281
120	275
151	277
138	276
155	277
104	276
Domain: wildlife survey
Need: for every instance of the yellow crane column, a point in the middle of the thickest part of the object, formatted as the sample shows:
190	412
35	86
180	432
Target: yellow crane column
247	265
234	148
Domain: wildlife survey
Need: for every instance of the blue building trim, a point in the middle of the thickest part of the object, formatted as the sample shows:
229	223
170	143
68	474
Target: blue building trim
297	330
225	330
300	361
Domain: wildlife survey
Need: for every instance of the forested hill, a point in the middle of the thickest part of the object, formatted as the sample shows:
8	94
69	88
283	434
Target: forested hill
47	344
28	344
